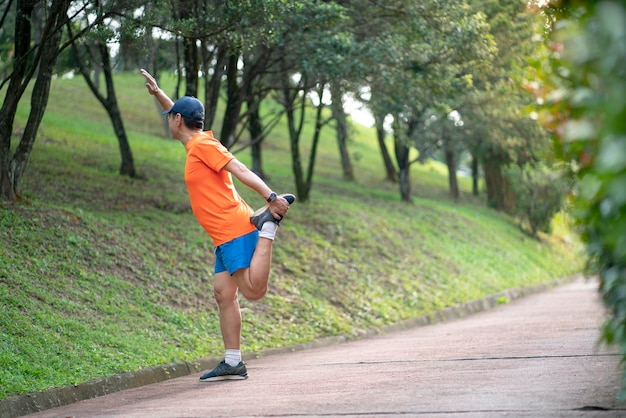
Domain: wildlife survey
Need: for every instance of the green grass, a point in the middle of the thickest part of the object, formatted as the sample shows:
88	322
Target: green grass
102	274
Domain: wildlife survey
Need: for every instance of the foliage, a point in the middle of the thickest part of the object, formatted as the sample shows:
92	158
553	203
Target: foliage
424	61
539	193
102	274
314	49
582	90
417	58
498	132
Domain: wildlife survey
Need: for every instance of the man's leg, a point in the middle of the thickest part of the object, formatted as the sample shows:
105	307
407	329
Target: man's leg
225	290
253	281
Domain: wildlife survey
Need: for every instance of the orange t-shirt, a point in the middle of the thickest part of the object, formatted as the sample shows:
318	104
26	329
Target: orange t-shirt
220	210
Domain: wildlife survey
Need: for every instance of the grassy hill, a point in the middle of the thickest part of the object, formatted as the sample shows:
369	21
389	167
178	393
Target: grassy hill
102	274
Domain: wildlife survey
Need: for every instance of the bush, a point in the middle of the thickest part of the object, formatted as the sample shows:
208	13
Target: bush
539	193
582	90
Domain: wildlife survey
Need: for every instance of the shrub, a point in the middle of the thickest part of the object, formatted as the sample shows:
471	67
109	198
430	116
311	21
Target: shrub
539	193
582	90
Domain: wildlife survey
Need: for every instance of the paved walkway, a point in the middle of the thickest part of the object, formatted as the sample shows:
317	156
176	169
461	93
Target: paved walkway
534	357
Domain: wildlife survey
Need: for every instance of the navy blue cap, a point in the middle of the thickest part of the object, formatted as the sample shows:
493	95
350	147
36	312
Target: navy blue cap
189	107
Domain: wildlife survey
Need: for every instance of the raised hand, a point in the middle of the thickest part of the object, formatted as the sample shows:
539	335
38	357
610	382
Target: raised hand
151	83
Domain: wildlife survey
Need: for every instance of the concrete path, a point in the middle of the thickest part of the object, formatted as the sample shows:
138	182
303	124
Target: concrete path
534	357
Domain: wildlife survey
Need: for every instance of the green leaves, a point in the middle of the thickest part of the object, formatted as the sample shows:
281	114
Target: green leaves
586	81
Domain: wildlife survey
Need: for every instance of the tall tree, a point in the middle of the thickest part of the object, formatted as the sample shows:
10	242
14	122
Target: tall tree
443	133
30	59
313	45
109	101
258	89
39	59
371	25
430	57
9	187
41	90
500	133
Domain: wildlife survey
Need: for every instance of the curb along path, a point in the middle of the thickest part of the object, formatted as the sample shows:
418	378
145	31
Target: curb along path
534	357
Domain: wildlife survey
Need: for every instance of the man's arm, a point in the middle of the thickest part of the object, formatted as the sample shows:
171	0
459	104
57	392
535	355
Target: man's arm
153	89
254	182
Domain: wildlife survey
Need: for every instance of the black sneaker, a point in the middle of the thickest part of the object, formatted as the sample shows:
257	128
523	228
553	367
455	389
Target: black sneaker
288	197
224	371
262	215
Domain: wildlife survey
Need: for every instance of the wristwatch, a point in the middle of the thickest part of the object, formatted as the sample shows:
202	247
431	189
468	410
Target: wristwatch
272	197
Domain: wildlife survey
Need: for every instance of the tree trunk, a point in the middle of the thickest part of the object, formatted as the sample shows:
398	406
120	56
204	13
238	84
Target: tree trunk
499	193
509	198
7	117
12	169
289	99
97	67
402	157
190	53
256	136
315	143
14	92
239	86
475	173
233	103
390	171
212	84
127	167
296	160
38	103
179	72
452	178
303	184
493	183
342	131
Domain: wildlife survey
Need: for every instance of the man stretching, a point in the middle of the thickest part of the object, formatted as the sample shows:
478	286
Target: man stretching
242	239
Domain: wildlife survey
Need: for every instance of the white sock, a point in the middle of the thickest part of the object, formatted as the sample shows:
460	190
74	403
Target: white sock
268	230
232	357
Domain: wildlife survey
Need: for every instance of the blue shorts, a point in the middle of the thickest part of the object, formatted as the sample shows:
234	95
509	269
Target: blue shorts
236	254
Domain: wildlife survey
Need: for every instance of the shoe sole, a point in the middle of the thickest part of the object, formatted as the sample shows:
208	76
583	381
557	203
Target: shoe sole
290	198
227	377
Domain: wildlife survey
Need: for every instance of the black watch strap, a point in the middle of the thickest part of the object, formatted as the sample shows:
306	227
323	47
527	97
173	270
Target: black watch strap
272	197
